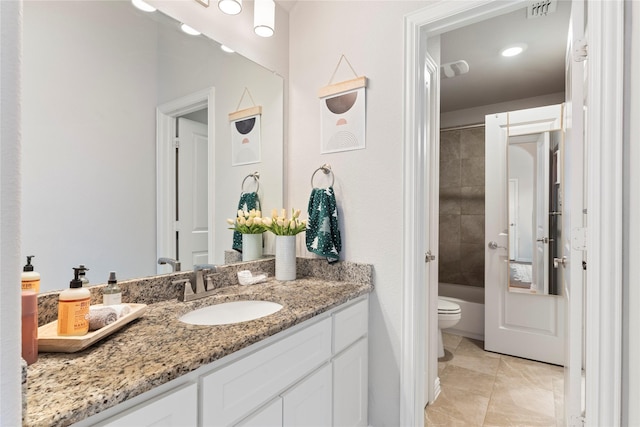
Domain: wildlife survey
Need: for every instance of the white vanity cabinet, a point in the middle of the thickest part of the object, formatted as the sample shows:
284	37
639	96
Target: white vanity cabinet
314	373
176	408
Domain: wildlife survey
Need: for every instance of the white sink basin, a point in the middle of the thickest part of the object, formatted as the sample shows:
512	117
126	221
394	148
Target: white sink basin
230	312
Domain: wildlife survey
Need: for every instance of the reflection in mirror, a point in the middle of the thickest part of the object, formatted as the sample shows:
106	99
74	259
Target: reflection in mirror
534	212
93	75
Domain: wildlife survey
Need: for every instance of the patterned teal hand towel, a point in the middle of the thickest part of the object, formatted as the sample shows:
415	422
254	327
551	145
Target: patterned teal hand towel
247	202
323	233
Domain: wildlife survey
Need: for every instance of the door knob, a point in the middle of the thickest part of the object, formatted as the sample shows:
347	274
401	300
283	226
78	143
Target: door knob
560	262
494	245
428	257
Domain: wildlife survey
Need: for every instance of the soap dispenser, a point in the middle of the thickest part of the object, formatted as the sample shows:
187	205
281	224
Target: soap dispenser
73	307
112	294
83	276
30	279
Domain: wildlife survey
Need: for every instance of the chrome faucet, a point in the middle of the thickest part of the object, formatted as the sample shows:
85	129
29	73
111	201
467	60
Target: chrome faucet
174	263
201	290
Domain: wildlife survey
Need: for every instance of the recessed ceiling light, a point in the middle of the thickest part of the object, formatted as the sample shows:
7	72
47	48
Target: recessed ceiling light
230	7
226	49
143	6
513	50
191	31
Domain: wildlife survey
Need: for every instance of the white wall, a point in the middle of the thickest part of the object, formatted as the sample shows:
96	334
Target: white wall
10	373
368	183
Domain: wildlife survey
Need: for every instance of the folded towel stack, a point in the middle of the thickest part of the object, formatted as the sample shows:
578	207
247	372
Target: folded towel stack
101	316
247	202
323	234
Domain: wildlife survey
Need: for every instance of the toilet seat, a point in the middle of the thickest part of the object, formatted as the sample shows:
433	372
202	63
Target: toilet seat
448	307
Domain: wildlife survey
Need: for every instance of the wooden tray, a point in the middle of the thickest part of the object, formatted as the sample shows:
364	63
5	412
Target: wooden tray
49	340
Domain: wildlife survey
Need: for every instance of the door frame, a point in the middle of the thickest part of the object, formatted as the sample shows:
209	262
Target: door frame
165	168
603	131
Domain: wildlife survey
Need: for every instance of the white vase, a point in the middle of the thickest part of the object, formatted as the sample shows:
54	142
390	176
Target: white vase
285	257
251	247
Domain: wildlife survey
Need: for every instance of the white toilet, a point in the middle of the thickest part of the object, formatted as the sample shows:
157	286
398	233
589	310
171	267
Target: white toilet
449	314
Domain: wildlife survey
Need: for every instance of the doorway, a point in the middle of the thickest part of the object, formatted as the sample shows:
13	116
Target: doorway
602	123
167	184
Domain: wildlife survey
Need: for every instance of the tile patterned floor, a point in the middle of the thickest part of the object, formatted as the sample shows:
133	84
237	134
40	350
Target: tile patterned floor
480	388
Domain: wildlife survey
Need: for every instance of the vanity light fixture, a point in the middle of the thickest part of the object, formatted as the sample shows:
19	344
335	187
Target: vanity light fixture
513	50
230	7
191	31
226	49
143	6
264	16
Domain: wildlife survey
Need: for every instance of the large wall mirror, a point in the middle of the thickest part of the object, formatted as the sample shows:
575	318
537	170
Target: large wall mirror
534	212
93	76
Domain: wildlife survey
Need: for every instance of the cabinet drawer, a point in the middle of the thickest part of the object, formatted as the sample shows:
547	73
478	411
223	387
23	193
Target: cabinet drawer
350	324
175	408
235	390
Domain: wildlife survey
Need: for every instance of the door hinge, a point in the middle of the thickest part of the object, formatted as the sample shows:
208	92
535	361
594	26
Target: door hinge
428	257
176	143
584	265
580	50
176	226
579	238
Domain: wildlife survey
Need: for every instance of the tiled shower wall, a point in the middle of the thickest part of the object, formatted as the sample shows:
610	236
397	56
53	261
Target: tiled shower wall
461	246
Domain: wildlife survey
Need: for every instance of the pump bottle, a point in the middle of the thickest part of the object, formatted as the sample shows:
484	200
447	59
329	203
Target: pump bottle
73	307
30	279
112	294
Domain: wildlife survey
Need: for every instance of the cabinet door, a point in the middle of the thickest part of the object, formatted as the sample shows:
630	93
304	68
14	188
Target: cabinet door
309	402
350	383
233	392
269	416
175	408
350	324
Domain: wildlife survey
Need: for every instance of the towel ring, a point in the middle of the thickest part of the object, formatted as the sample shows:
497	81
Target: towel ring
256	178
326	169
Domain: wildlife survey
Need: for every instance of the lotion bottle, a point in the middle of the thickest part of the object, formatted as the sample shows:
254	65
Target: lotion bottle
73	307
112	294
29	326
30	279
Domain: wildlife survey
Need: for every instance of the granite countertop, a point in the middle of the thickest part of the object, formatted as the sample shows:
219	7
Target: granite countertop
150	351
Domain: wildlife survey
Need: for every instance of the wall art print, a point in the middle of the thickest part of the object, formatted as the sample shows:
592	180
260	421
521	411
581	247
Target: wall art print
343	113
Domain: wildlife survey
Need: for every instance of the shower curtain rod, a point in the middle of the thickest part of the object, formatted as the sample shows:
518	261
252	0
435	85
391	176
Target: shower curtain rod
472	126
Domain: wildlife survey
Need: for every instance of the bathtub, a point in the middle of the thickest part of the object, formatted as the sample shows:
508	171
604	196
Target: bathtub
471	302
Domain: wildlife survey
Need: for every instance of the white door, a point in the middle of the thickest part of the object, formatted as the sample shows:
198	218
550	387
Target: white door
572	205
541	271
516	323
192	197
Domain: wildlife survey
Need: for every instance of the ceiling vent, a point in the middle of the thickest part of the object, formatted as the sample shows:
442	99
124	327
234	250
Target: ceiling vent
537	9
